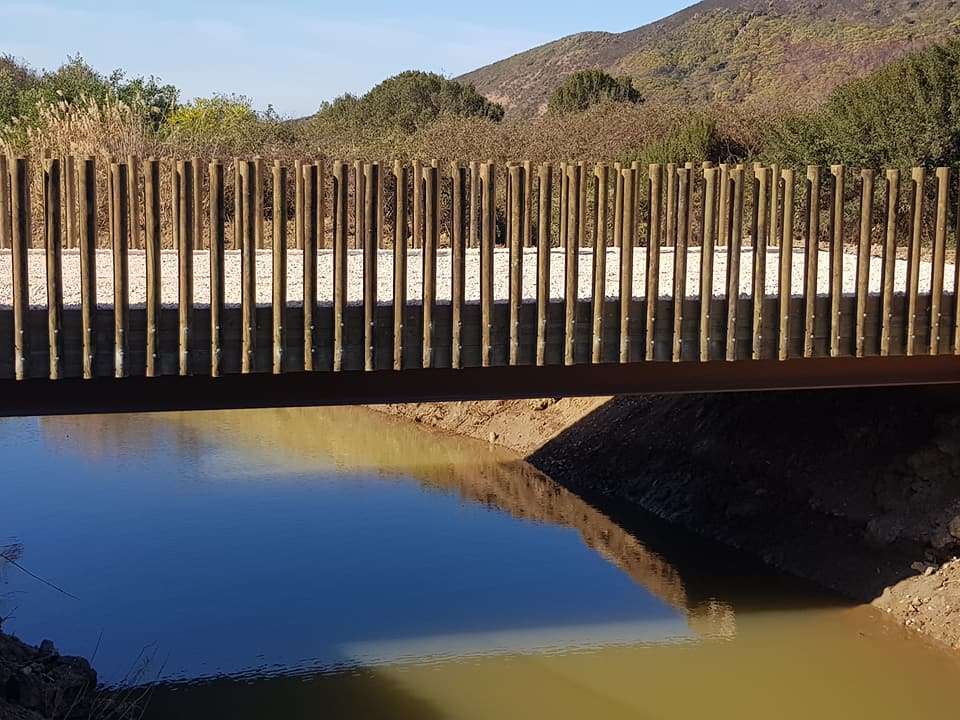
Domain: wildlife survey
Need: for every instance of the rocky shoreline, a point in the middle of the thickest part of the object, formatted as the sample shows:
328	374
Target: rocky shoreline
858	491
39	683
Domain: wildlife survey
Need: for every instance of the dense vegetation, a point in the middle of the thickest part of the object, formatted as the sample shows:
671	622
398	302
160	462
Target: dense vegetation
906	112
587	88
761	53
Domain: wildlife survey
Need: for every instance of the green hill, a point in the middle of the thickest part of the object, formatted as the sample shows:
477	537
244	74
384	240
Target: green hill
786	54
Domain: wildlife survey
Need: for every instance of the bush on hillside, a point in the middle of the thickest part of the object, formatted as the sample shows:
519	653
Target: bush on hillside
587	88
903	114
409	102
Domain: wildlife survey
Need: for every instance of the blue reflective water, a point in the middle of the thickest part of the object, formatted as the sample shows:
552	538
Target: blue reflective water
182	543
296	564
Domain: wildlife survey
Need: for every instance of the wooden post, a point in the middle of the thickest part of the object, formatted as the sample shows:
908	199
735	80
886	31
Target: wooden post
811	237
517	242
487	240
400	263
310	182
474	238
133	200
69	200
939	258
341	177
571	279
888	268
280	266
298	203
237	239
417	204
183	192
758	239
370	183
836	256
430	241
356	240
684	198
458	220
626	263
654	226
707	258
733	260
618	205
88	261
20	239
248	267
52	240
545	212
216	244
919	177
785	285
863	258
152	237
259	172
196	200
671	210
119	228
601	190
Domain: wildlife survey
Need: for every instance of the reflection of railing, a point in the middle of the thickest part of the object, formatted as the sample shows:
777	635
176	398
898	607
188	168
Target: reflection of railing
692	269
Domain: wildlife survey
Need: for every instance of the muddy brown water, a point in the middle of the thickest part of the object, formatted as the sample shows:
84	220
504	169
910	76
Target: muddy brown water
339	563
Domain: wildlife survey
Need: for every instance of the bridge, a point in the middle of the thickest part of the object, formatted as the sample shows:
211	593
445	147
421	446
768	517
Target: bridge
142	285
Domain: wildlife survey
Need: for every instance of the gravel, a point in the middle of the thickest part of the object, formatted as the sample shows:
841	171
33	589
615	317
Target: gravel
71	275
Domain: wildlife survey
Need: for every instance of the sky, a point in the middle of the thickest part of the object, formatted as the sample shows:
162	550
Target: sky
294	54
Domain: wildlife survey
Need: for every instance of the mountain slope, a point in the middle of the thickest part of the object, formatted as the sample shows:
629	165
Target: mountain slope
782	52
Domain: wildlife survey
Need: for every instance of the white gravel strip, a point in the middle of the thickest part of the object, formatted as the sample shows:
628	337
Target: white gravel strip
71	275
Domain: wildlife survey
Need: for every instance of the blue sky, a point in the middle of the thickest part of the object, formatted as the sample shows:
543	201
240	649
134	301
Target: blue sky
294	54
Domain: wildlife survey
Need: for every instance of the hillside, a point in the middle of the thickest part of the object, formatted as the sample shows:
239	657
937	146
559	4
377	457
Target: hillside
785	52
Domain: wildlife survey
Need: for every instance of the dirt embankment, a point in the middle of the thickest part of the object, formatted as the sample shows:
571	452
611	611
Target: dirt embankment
857	490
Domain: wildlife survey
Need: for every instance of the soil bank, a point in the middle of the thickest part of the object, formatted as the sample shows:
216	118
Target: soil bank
858	490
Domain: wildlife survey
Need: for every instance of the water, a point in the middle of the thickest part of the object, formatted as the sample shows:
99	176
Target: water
337	563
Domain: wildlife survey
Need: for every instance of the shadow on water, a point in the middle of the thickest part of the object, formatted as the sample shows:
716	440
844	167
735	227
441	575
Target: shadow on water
848	486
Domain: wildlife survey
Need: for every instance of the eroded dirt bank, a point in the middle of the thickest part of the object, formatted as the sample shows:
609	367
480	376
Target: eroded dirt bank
857	490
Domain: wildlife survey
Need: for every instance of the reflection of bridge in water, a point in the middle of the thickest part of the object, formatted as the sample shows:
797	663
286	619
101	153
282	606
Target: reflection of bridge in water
622	281
681	573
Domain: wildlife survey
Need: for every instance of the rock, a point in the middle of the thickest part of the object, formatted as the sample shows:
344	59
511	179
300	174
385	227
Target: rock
954	527
493	437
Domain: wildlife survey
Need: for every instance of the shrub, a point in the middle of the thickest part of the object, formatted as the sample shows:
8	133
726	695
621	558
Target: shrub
905	113
406	103
590	87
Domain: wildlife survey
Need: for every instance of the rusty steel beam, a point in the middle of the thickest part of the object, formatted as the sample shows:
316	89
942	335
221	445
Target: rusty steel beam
305	389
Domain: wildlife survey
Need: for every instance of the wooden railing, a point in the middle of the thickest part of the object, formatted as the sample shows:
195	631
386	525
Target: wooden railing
674	215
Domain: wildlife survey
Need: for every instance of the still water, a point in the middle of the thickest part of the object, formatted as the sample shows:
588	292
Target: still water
338	563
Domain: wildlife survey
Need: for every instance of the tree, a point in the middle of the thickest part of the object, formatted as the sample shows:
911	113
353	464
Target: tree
409	102
905	113
589	87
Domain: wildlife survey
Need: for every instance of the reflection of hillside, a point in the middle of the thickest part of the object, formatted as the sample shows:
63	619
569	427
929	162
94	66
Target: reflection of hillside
355	439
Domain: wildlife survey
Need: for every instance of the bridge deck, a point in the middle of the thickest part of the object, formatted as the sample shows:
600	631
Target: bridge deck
473	320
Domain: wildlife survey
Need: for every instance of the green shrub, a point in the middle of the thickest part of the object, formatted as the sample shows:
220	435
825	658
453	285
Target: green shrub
587	88
906	113
409	102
